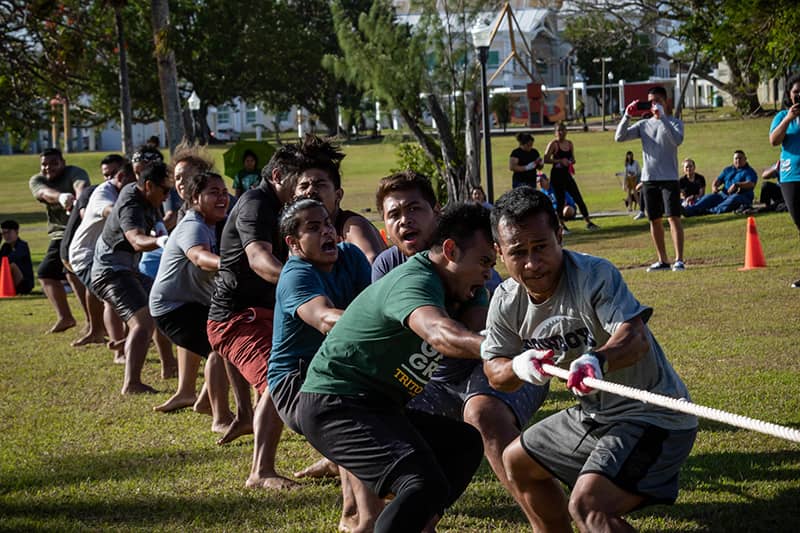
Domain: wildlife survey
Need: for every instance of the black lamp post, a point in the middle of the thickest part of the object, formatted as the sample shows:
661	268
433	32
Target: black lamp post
194	107
481	39
602	61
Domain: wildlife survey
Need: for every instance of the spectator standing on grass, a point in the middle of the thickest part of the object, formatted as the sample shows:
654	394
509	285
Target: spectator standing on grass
524	161
56	186
560	153
115	273
660	134
574	310
733	189
785	131
19	257
632	175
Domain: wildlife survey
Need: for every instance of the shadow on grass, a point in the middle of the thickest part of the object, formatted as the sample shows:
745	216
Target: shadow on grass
221	512
751	479
28	217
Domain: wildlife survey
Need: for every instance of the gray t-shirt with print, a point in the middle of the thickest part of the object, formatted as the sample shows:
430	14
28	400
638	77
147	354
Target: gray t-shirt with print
179	281
590	303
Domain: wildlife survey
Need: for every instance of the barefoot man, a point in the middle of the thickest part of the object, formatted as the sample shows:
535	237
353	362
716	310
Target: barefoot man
240	321
56	186
115	273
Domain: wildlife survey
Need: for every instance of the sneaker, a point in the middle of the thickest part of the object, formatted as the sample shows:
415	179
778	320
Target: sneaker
639	215
796	284
591	226
658	266
677	266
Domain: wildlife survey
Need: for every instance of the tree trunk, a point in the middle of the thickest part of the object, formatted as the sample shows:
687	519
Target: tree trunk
472	141
682	97
124	86
167	73
743	88
427	144
453	168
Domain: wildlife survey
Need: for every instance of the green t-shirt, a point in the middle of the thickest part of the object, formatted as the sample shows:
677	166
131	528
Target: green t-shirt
57	217
371	350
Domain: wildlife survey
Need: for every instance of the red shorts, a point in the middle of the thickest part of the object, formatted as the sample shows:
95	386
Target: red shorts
245	340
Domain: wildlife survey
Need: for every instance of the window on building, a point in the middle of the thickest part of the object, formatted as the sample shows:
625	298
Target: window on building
252	115
223	115
494	59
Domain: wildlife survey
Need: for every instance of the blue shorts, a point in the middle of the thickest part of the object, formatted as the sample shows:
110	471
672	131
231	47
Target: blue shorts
448	398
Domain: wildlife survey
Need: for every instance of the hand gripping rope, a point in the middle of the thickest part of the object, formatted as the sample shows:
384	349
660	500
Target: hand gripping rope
684	406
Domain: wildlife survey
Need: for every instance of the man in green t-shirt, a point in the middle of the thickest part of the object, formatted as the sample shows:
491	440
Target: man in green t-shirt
382	352
56	186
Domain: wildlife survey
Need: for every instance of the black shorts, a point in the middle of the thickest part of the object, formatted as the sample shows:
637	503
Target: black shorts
284	397
186	327
370	438
127	291
51	266
662	198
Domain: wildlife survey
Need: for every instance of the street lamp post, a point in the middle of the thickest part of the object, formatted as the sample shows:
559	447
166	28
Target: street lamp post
194	107
481	39
602	61
610	77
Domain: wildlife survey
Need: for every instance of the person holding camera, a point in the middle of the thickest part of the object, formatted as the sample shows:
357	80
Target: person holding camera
785	131
661	134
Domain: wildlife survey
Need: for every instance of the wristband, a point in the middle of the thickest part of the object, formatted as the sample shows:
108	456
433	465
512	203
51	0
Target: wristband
601	359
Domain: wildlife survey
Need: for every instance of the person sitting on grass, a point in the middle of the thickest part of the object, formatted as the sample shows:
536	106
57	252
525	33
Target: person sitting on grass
327	188
115	273
568	212
571	309
19	257
733	190
381	353
181	295
318	282
692	185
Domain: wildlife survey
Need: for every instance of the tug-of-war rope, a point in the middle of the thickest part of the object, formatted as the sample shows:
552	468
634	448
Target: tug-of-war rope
684	406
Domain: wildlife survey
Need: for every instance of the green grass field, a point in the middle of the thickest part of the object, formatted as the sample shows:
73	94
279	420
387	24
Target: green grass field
75	455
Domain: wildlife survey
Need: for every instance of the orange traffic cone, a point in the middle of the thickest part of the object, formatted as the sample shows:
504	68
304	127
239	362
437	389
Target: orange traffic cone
7	289
753	254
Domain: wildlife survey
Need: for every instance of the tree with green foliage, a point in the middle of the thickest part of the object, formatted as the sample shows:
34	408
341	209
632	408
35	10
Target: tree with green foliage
416	68
500	105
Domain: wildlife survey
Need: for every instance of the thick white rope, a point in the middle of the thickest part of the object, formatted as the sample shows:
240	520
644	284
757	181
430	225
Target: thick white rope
684	406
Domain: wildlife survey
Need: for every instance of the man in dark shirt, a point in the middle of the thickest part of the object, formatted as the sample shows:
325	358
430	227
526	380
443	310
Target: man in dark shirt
115	272
19	257
241	315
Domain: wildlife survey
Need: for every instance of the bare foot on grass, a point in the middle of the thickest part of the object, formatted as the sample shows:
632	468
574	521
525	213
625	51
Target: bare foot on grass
170	372
203	404
115	345
236	430
321	469
138	388
88	339
348	524
221	426
175	403
275	482
62	325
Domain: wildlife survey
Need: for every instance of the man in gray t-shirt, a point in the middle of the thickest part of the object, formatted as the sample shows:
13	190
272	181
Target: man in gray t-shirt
661	135
575	310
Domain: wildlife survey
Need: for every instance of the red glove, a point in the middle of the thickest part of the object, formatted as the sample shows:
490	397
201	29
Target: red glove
587	365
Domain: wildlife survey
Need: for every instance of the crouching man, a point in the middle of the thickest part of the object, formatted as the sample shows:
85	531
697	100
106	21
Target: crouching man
381	353
574	310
